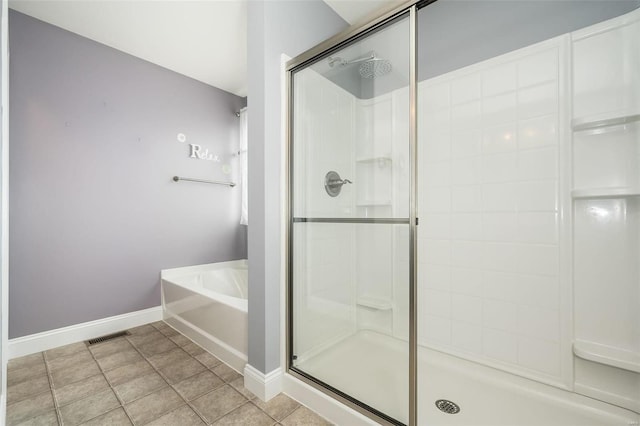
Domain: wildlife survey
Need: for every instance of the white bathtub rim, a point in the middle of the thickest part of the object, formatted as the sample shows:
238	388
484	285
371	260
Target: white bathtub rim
173	273
234	302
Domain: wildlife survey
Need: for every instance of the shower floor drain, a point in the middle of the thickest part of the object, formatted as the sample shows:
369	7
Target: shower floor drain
447	406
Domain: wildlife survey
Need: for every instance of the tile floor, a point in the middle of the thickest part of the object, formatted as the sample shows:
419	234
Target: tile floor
155	376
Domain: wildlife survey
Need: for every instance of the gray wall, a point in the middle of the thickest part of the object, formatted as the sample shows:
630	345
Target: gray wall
94	215
275	27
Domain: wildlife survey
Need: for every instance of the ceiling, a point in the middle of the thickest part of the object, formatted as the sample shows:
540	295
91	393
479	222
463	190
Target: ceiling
204	40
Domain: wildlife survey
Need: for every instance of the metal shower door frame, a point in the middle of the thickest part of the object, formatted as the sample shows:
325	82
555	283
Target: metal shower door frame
359	31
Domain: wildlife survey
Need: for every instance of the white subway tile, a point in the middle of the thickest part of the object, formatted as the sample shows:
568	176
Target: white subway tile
540	323
500	227
466	226
538	132
538	259
500	109
499	79
539	355
436	147
466	308
465	89
538	100
437	303
541	291
466	281
501	138
537	196
434	200
538	164
435	225
500	345
436	121
465	171
466	116
433	276
499	315
435	330
435	174
538	68
467	337
435	251
466	198
467	254
465	143
538	228
500	257
503	286
434	97
499	167
498	197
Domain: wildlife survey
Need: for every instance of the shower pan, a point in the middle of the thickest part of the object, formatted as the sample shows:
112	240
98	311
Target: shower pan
464	226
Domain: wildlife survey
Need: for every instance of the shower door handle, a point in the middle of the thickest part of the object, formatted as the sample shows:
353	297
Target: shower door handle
333	183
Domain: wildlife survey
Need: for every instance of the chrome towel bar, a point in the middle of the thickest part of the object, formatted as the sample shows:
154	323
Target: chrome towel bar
215	182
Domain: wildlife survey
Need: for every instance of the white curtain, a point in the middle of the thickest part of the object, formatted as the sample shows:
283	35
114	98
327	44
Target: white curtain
244	215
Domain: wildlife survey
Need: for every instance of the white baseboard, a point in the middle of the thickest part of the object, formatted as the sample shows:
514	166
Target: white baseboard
329	408
264	386
39	342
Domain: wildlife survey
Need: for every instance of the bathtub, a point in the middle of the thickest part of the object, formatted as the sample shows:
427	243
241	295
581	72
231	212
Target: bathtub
208	304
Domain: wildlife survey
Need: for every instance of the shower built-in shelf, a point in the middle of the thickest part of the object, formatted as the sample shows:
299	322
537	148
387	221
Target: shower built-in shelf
592	193
375	159
607	355
603	121
374	303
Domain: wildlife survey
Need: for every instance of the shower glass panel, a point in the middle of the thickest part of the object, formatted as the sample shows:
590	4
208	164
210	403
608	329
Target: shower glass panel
349	241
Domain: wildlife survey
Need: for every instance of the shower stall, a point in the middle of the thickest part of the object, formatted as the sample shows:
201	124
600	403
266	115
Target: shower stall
464	214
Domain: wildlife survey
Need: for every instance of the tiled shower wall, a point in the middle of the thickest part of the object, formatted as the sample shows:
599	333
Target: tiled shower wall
489	211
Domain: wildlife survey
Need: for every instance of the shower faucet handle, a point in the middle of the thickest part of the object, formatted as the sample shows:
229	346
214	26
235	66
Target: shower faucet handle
333	183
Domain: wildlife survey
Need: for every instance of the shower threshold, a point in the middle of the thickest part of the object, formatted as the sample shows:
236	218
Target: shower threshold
372	368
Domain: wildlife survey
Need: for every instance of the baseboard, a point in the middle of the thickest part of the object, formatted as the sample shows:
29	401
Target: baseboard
329	408
264	386
39	342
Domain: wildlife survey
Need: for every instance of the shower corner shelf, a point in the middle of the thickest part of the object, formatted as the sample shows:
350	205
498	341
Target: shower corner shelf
592	193
374	158
605	120
607	355
374	303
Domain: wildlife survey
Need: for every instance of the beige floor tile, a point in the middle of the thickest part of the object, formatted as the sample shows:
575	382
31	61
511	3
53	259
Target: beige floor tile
137	388
47	419
198	385
156	346
246	415
167	358
193	349
81	389
27	361
184	369
32	407
278	407
226	373
27	389
143	329
180	340
238	384
304	417
119	359
101	350
154	405
219	402
20	375
86	409
138	340
52	354
115	417
74	373
183	416
69	360
208	360
128	372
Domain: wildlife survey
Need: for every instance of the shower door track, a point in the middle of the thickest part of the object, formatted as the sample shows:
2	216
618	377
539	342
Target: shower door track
380	221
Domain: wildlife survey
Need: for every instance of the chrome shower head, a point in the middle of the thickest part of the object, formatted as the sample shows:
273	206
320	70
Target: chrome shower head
375	67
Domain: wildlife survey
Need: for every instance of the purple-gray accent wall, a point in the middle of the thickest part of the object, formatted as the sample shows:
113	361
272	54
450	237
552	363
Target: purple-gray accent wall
94	214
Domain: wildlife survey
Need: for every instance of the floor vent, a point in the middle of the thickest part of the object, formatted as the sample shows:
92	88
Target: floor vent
107	337
447	406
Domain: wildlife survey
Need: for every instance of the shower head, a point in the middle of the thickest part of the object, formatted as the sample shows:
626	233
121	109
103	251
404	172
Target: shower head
375	67
371	66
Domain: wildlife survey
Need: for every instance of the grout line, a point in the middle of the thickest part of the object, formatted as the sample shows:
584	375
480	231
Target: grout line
56	406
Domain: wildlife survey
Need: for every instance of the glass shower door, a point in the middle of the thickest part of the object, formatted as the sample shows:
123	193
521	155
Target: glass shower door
349	229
